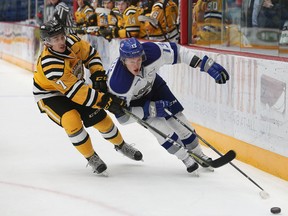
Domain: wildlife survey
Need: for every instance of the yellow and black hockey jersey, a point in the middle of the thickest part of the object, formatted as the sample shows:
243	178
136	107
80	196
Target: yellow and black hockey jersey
207	21
131	26
61	74
102	20
167	15
114	17
82	14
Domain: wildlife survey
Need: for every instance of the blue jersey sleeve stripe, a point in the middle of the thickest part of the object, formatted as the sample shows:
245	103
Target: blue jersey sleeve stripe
152	52
175	49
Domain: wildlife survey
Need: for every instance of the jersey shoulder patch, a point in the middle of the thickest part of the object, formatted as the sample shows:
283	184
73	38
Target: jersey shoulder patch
152	52
121	79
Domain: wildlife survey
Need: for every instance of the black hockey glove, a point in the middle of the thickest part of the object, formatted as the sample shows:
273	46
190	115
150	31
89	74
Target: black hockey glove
80	31
99	79
113	104
92	20
109	32
105	32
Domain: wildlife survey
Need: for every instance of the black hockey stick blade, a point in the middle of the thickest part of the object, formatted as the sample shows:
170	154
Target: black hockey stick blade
221	161
229	156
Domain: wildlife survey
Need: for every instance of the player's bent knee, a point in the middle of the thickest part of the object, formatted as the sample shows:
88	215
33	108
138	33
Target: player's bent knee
71	121
105	125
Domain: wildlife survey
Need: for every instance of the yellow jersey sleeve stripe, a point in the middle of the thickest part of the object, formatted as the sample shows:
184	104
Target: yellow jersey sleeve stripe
74	89
92	53
53	68
130	11
158	4
91	98
95	61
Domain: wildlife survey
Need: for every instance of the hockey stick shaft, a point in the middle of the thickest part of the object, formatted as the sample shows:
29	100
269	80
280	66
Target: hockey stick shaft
88	28
214	149
154	22
163	135
214	163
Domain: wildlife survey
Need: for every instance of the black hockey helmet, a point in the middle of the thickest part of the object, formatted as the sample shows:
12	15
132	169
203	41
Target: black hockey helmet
50	29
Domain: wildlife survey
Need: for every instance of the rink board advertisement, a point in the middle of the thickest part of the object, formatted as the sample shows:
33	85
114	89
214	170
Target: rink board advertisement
251	107
19	44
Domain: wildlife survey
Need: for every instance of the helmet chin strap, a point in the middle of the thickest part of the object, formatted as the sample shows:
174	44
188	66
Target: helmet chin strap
47	43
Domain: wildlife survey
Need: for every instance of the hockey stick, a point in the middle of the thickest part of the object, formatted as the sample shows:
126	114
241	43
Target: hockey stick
153	22
224	159
263	193
102	10
88	29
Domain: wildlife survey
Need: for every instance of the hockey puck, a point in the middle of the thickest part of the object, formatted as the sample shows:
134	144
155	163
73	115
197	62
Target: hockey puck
275	210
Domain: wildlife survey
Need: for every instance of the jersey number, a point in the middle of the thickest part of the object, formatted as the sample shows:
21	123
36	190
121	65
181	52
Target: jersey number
60	82
132	20
164	46
212	6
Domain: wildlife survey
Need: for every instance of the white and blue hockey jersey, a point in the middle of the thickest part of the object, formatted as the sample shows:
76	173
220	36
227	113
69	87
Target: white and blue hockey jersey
125	85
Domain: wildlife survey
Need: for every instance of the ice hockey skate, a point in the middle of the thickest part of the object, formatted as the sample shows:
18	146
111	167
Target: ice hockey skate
198	152
129	151
98	166
191	165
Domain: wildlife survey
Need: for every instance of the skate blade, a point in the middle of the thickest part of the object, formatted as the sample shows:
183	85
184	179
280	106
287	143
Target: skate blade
208	169
131	158
195	173
104	174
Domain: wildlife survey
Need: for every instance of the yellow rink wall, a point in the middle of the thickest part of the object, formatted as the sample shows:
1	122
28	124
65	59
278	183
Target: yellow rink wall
265	160
206	105
17	61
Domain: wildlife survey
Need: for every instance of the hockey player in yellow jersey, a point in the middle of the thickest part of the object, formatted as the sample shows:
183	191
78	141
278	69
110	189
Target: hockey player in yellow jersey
101	17
127	24
212	25
83	12
207	22
114	20
166	14
120	7
61	92
131	26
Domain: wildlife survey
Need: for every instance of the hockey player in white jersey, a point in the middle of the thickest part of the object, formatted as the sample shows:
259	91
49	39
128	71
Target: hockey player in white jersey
133	76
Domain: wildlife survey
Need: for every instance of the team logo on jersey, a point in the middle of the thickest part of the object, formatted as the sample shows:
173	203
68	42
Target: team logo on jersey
78	71
143	91
94	113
